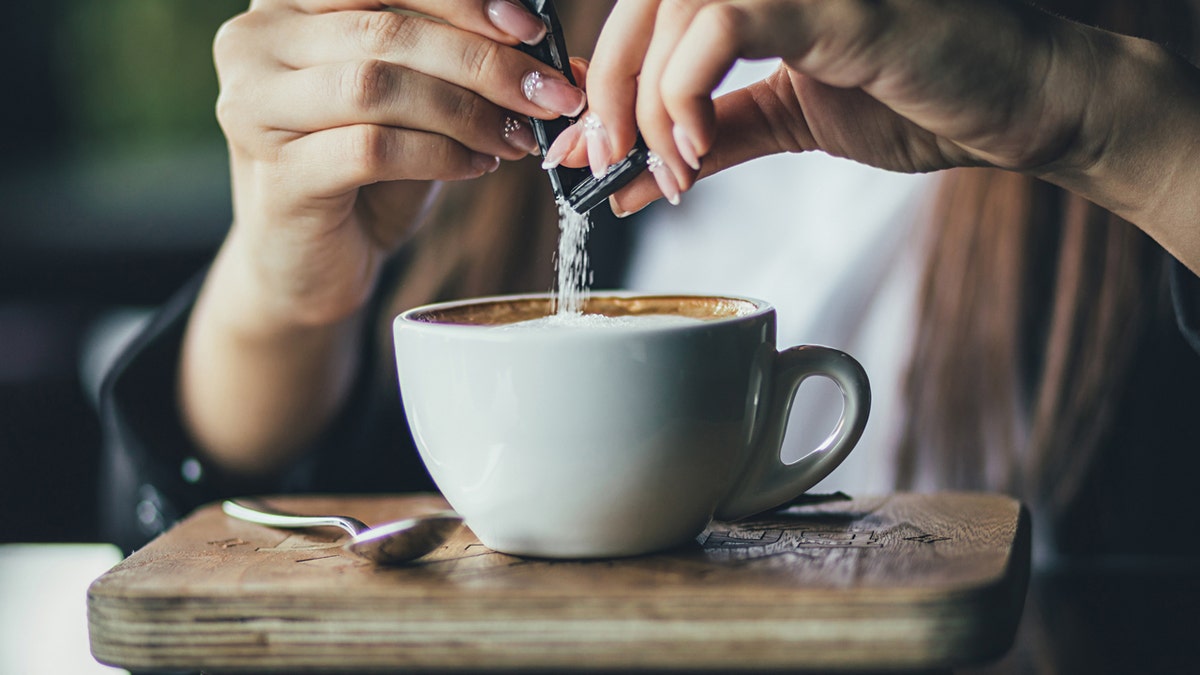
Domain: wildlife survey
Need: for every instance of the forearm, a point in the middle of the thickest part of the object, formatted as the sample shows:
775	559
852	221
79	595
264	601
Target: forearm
254	388
1139	151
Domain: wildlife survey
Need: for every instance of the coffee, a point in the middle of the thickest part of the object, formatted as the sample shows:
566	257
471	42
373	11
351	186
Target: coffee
504	311
580	321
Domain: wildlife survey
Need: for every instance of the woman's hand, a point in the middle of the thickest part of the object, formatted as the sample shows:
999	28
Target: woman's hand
339	116
908	86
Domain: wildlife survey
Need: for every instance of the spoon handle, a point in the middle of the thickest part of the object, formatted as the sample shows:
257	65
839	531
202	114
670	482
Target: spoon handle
264	515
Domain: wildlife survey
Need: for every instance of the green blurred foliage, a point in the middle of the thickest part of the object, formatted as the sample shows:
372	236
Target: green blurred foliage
137	75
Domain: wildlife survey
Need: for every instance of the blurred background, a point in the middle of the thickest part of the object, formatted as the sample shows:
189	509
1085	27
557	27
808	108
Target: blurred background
113	191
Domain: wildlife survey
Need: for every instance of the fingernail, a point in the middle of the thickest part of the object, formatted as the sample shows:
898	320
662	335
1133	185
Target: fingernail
599	149
562	145
519	135
554	154
686	149
618	211
553	94
484	163
513	19
663	176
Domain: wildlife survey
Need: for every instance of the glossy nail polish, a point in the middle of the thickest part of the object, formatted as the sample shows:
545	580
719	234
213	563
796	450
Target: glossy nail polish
620	212
686	149
554	157
484	163
663	176
552	94
599	147
561	146
513	19
519	135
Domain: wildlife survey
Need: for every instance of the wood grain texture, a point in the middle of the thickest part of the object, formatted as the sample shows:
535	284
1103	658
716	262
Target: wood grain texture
905	581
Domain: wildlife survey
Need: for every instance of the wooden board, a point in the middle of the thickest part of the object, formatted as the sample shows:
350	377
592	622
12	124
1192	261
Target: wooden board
903	581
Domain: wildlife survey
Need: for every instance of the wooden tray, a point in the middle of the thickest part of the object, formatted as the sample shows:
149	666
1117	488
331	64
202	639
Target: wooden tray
905	581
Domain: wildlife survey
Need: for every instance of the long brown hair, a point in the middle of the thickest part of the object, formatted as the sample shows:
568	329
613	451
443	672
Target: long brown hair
1033	304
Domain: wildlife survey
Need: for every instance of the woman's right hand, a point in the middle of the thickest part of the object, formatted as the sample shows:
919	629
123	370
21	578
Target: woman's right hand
339	116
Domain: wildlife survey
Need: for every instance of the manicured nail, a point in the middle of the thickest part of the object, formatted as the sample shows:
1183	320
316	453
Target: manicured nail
552	94
484	163
562	145
686	149
554	156
663	176
599	149
513	19
618	211
520	135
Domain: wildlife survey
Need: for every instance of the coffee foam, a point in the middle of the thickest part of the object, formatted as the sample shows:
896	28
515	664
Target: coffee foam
562	321
514	310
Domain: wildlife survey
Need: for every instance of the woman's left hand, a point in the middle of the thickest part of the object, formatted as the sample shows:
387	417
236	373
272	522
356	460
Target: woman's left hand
907	86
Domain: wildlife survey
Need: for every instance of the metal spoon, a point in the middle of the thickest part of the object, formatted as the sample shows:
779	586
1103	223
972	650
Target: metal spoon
395	542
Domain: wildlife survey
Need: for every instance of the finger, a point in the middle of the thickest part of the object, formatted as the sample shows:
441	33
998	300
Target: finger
579	69
614	70
761	119
569	149
744	132
333	162
657	127
637	195
505	21
595	150
378	92
242	44
701	59
504	75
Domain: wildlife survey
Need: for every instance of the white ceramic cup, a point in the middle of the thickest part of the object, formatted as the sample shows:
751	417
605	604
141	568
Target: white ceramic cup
612	441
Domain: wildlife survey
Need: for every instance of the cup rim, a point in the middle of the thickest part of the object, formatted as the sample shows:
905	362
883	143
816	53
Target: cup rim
409	318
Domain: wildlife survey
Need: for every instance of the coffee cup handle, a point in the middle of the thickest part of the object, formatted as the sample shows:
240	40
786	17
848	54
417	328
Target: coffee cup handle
766	482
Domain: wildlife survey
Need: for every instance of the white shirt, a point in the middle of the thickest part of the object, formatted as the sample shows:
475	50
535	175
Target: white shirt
832	244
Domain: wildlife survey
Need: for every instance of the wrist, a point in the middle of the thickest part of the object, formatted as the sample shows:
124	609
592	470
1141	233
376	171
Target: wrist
1139	114
1078	90
1136	157
271	286
257	382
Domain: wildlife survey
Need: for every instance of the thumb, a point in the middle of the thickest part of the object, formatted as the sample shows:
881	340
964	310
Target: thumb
747	126
755	121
